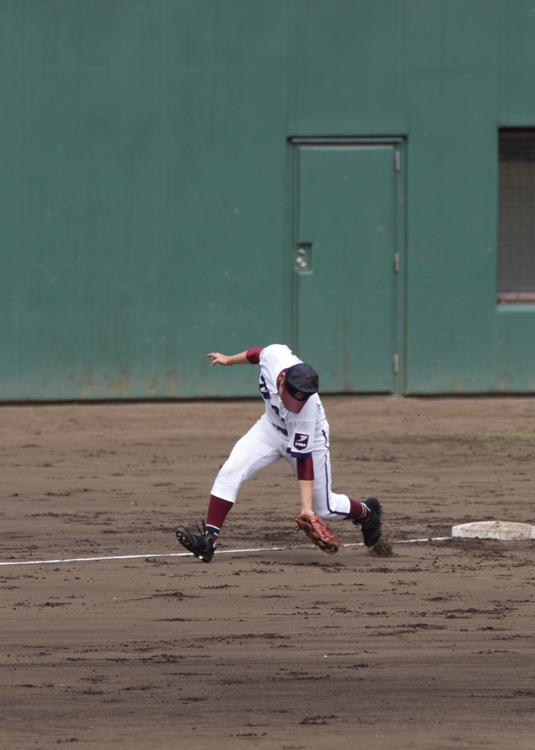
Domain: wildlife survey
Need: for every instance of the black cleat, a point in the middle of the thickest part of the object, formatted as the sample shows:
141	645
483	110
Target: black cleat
202	545
371	526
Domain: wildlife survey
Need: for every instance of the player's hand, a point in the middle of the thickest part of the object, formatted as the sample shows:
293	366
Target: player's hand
219	359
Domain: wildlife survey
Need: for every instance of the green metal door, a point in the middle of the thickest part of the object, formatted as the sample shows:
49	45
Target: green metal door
345	264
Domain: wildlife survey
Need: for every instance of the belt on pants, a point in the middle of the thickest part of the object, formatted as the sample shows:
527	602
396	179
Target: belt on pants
280	429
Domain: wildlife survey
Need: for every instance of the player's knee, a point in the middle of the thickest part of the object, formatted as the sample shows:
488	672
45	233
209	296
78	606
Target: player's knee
336	505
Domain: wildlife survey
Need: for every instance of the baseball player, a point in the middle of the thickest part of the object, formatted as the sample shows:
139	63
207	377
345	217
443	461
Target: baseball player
294	427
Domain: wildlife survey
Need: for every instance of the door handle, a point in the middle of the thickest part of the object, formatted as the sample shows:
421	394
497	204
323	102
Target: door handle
303	261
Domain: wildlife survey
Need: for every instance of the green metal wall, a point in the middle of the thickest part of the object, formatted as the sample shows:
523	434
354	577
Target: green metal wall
144	182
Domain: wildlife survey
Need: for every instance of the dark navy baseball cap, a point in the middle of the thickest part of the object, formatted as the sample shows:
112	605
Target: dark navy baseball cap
301	382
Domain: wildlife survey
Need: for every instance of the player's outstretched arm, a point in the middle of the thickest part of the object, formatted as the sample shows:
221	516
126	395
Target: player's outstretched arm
226	360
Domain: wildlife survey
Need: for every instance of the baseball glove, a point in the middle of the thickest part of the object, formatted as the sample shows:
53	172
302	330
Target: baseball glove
320	534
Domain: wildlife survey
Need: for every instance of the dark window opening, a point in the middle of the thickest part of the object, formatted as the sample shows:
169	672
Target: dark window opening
516	216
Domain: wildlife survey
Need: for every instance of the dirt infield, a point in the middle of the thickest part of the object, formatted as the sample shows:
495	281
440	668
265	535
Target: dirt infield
429	649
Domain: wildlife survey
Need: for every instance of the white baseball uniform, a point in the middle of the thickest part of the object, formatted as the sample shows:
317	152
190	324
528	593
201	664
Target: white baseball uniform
281	433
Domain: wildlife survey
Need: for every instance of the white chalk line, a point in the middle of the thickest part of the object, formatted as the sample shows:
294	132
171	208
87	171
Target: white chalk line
217	552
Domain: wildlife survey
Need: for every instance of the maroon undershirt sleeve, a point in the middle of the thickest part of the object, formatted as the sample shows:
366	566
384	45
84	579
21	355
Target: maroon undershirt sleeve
253	355
305	468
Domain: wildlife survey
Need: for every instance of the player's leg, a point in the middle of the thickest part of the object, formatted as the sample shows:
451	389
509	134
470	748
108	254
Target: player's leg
259	448
333	505
254	451
336	506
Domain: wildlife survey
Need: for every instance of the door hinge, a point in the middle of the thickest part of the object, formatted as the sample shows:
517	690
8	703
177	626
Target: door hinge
396	262
397	161
396	364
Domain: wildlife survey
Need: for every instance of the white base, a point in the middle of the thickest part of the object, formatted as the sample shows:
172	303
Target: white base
494	530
